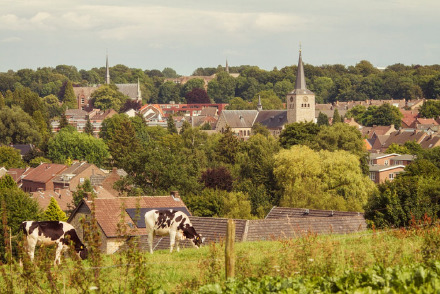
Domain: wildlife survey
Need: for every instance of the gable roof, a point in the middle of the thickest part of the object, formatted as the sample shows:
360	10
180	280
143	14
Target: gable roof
289	212
108	210
240	118
72	171
400	137
23	148
272	119
63	197
430	142
44	172
85	92
130	90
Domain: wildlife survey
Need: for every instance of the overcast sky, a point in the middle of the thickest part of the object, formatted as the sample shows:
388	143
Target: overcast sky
185	35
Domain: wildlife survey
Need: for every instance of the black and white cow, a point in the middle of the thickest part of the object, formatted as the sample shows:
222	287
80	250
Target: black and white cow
49	233
170	222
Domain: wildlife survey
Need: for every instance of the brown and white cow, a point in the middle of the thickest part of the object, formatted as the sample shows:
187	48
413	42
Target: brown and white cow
170	222
52	232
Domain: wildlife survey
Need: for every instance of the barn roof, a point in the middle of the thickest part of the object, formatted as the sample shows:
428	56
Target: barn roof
282	212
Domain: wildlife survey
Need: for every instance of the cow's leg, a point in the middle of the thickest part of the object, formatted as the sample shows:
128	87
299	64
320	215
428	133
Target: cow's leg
172	240
60	247
150	241
31	243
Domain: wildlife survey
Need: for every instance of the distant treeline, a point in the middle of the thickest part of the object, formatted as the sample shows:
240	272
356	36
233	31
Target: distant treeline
329	82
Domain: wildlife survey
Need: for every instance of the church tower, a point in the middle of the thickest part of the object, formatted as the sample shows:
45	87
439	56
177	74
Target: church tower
107	71
301	101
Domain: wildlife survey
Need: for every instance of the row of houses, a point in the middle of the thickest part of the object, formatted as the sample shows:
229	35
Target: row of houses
59	181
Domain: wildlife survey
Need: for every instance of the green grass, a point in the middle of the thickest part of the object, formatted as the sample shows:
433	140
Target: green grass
309	256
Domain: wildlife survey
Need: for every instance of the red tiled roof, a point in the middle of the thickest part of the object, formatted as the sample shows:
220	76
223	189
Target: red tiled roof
44	172
62	196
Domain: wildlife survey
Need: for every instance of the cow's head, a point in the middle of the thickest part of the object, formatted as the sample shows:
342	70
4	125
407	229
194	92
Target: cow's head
198	241
82	251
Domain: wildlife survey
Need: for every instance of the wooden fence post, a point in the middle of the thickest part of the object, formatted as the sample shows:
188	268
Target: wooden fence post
229	250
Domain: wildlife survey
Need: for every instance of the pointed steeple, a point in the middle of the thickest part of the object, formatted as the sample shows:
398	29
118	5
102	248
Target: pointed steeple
259	105
227	66
107	71
139	96
300	83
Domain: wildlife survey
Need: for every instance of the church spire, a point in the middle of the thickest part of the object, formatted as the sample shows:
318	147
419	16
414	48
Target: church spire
227	66
259	105
300	83
107	71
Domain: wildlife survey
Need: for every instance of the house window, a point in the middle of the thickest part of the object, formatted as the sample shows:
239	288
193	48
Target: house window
391	176
373	176
386	162
81	180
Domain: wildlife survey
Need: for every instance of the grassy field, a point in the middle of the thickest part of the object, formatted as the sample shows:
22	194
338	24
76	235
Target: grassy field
138	271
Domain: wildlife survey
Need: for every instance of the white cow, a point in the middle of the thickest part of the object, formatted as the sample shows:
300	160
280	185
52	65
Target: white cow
170	222
49	233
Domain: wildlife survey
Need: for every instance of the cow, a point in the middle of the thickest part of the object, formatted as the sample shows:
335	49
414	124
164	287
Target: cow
59	233
170	222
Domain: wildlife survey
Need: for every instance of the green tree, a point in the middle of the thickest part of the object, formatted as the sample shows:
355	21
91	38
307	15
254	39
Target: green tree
238	103
171	126
322	119
10	158
2	101
301	133
227	147
191	85
123	143
53	212
38	160
51	103
258	128
68	97
403	199
63	121
336	117
222	88
169	73
383	115
269	100
430	109
168	92
108	97
7	182
77	146
88	129
17	127
281	88
341	137
81	192
321	180
17	206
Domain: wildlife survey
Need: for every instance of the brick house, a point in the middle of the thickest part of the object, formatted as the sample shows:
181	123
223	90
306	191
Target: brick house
381	173
18	174
384	167
75	175
108	215
40	178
